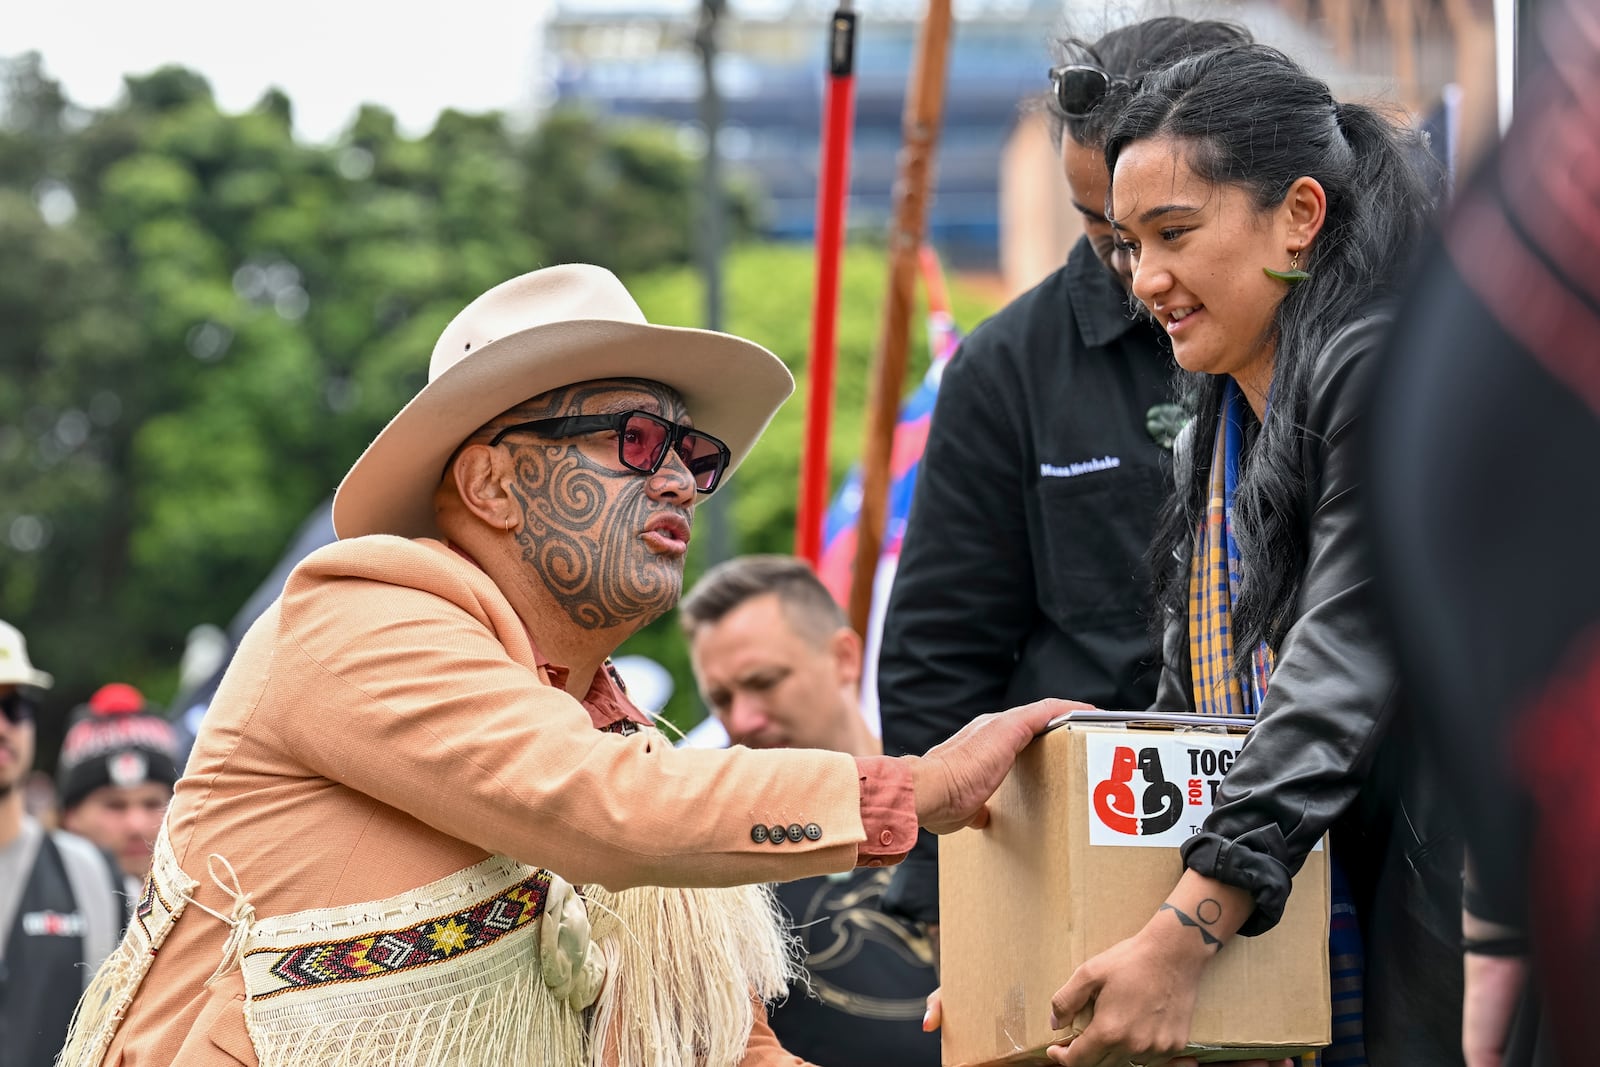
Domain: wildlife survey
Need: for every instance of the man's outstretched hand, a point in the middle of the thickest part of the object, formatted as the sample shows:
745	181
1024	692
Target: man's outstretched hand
954	781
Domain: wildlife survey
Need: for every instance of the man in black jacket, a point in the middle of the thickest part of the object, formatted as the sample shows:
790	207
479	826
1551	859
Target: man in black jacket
1022	574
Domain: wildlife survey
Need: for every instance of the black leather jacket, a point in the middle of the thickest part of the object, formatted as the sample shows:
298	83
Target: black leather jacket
1333	751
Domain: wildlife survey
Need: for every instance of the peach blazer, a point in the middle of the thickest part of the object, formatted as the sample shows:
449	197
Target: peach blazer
385	724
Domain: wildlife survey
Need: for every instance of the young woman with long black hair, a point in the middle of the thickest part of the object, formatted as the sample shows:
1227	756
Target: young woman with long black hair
1267	224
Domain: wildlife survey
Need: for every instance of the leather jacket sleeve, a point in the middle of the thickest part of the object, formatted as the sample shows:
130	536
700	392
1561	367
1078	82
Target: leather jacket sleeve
1175	687
1333	689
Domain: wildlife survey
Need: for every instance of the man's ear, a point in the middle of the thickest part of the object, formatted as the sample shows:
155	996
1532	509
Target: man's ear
845	648
482	478
1305	209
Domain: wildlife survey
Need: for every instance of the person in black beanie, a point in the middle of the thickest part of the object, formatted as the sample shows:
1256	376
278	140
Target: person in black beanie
115	775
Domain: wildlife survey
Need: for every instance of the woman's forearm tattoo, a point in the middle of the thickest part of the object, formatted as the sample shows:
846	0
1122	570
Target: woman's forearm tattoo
1208	906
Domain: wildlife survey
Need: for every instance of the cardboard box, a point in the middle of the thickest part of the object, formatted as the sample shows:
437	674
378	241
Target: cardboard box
1081	850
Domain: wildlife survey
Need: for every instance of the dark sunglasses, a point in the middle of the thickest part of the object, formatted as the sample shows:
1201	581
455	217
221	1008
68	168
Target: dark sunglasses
17	708
642	442
1080	88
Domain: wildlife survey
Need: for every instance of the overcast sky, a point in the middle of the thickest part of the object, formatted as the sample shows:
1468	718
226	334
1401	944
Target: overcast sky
330	56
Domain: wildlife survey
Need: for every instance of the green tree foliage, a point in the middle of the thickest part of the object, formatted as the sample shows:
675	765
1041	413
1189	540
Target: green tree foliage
598	192
206	321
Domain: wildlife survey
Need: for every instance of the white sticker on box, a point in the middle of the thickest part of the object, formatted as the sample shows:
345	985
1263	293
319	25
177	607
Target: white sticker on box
1154	790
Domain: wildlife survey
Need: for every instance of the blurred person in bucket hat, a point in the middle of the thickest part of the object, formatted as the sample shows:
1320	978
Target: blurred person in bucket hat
421	749
115	775
15	667
61	908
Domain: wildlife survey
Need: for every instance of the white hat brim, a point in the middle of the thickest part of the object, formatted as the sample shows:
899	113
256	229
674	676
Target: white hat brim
26	675
731	387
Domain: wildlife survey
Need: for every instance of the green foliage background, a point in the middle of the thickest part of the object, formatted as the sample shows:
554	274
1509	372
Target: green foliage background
205	321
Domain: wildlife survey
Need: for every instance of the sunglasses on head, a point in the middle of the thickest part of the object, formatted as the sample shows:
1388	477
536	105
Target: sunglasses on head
643	441
1080	87
17	708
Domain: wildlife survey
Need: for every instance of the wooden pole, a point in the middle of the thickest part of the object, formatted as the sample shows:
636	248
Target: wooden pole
1476	67
1402	20
924	110
1341	23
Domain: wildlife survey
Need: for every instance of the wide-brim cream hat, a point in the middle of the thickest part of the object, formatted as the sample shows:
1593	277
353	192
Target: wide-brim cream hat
553	327
15	667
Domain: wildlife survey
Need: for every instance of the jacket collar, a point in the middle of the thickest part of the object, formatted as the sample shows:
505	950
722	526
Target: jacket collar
1100	306
607	701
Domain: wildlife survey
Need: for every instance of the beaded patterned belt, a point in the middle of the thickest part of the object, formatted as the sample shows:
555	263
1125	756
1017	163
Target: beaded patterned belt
470	927
447	973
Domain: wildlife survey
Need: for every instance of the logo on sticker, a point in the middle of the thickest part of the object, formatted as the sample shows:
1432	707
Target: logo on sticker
1154	791
1154	809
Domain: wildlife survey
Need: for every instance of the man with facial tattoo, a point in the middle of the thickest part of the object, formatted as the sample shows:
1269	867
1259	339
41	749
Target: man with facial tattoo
422	822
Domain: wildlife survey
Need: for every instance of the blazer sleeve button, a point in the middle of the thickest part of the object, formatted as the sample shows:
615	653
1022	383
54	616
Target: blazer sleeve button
758	834
777	832
813	831
797	833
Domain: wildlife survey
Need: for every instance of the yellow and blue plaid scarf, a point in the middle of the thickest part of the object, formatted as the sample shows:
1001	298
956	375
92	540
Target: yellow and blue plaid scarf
1214	585
1219	689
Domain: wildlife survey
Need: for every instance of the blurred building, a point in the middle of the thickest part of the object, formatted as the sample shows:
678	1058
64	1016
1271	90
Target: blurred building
1435	58
635	58
998	202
